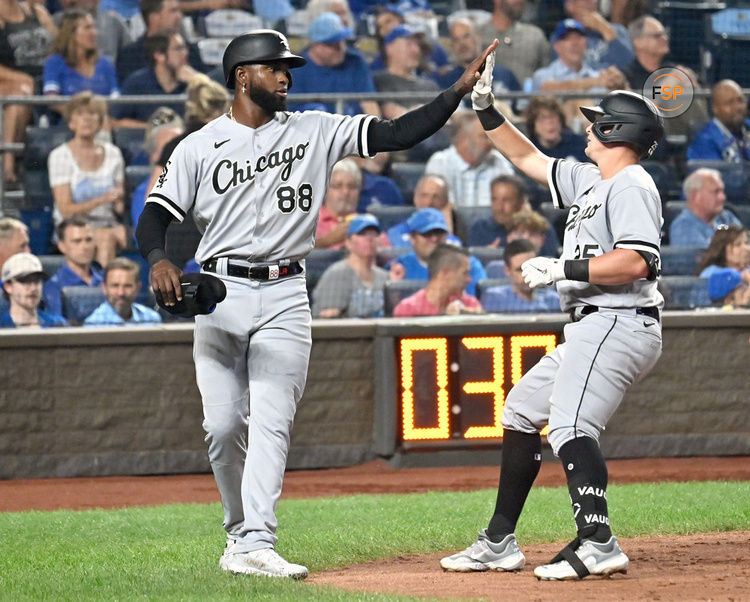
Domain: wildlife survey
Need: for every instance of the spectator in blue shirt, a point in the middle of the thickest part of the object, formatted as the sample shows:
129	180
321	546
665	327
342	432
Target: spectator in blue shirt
545	127
76	243
333	67
607	43
168	72
76	65
121	286
428	230
727	136
517	296
704	212
22	277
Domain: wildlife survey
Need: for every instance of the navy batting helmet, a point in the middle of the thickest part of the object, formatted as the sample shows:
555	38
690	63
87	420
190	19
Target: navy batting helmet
258	46
624	116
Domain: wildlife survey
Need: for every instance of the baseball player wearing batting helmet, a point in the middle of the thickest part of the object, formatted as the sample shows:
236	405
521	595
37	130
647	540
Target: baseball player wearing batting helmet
606	279
255	180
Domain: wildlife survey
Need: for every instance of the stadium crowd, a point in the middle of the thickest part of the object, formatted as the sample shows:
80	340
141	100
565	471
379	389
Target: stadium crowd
439	229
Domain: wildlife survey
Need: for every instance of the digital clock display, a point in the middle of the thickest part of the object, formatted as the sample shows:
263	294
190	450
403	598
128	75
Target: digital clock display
452	389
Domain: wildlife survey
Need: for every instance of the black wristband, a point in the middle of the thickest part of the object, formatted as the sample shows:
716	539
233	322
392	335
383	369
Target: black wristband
490	118
576	269
155	256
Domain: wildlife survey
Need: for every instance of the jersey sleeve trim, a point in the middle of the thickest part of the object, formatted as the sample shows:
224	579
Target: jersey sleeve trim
553	187
173	208
364	126
638	245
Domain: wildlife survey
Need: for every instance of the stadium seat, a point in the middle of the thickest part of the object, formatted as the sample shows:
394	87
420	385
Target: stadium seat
680	261
390	215
664	177
670	211
317	262
486	254
685	292
390	253
4	304
212	50
538	193
728	42
556	217
495	269
134	175
406	175
488	283
230	22
397	291
736	177
40	229
130	142
742	212
37	192
51	263
79	301
40	142
469	215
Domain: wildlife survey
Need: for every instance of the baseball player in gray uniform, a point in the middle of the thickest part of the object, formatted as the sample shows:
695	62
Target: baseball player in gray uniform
255	179
606	278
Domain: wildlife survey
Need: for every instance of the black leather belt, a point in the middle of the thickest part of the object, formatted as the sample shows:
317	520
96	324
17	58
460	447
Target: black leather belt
258	272
651	312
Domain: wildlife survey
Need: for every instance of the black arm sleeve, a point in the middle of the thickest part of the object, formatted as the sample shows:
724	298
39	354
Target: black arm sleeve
151	232
414	126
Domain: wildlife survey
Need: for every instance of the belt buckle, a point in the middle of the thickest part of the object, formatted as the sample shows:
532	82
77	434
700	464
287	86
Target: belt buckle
273	272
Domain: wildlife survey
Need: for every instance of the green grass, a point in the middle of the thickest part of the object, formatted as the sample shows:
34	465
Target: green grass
171	552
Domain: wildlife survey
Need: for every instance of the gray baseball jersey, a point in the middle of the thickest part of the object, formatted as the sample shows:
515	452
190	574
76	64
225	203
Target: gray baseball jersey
256	193
621	212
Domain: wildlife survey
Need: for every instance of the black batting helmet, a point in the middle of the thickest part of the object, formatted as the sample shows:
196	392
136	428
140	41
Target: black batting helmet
258	46
624	116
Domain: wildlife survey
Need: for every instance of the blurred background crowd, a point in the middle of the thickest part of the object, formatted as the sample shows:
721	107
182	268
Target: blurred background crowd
439	229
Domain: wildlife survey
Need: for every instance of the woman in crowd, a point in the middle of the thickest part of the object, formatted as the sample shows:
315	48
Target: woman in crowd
75	64
729	248
87	176
26	34
545	125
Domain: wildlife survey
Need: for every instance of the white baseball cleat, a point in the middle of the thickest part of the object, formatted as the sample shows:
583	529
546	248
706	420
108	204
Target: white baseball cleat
484	555
594	558
265	562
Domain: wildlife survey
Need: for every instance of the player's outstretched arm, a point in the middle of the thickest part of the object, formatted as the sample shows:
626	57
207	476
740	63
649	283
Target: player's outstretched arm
503	134
420	123
151	235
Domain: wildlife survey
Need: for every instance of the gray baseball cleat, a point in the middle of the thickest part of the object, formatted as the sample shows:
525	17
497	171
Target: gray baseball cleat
265	562
590	558
484	555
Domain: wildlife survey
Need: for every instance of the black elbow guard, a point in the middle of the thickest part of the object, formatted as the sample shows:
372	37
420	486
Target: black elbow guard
653	264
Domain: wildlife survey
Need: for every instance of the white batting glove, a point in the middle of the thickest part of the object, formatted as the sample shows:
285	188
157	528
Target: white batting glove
542	271
481	94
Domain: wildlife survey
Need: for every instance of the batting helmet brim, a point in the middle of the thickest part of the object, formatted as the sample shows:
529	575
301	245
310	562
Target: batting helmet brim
201	293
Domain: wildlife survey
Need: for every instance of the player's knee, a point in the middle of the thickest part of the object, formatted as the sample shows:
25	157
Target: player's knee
559	436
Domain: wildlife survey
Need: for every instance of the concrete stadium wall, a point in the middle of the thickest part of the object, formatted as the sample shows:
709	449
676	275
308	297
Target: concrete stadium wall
91	402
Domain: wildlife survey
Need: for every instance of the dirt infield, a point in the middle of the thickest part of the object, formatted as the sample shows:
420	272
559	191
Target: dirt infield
699	567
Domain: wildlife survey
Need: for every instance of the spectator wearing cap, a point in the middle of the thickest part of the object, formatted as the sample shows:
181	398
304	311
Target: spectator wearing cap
402	56
509	198
704	210
431	191
22	277
470	163
607	43
121	286
353	287
449	274
333	67
465	47
728	289
433	57
339	206
428	230
570	72
523	47
517	296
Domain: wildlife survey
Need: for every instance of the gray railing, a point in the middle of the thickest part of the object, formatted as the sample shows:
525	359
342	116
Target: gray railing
338	99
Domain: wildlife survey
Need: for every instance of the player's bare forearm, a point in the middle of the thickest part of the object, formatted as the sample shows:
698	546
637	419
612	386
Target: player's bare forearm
520	151
619	266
